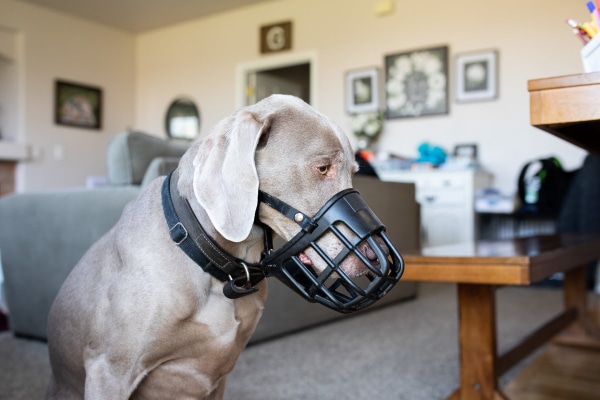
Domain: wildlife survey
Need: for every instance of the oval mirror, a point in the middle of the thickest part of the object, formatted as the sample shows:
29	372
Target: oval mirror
183	119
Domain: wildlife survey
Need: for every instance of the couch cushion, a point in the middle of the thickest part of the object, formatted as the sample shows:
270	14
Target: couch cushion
160	166
129	154
43	236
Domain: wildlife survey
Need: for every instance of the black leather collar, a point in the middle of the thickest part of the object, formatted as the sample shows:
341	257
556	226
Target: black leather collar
190	237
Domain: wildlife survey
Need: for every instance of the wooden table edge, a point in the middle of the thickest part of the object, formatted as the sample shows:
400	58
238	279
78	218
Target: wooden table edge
557	82
498	270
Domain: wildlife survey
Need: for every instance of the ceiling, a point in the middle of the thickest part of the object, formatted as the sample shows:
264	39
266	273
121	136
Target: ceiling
138	16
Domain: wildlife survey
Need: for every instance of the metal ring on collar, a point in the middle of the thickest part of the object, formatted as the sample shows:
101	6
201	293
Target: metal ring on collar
248	284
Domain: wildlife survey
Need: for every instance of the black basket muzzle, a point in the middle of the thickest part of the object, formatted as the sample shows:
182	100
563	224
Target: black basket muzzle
364	243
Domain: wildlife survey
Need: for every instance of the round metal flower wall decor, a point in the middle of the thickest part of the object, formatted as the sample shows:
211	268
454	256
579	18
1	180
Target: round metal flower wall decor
417	83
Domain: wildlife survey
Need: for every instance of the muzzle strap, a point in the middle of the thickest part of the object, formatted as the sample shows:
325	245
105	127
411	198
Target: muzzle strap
299	217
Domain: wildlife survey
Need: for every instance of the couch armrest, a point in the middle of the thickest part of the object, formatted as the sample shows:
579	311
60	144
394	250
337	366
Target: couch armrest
42	236
128	155
160	166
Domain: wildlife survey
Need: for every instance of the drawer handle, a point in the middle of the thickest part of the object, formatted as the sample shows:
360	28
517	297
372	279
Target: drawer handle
430	199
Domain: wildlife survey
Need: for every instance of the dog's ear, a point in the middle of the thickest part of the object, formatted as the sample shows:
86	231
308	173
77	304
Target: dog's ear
225	177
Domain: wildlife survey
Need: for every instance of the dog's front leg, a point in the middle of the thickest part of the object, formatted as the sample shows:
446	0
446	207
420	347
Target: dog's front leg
219	392
104	380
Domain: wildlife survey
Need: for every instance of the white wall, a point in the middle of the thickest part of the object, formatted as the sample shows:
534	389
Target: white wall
141	74
200	58
53	45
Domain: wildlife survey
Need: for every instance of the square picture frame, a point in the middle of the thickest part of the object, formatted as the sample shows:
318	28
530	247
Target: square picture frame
77	105
466	150
363	92
416	83
477	76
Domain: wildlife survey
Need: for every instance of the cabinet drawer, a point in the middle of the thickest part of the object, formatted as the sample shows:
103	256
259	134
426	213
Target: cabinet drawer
428	196
445	182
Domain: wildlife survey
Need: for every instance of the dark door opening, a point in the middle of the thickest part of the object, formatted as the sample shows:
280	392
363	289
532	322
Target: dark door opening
294	80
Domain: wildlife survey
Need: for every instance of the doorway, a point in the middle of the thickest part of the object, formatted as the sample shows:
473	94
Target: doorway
288	74
294	80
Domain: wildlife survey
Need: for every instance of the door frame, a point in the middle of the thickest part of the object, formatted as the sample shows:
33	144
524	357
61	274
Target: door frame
273	62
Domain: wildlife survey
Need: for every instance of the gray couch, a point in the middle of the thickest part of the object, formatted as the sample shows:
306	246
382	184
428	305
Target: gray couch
43	235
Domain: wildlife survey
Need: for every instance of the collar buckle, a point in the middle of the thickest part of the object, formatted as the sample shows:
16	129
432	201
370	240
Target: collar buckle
178	233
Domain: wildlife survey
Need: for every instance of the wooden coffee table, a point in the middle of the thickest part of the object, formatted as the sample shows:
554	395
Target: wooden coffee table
567	107
479	268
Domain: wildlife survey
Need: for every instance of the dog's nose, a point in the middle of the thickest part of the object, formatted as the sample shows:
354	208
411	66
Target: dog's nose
365	248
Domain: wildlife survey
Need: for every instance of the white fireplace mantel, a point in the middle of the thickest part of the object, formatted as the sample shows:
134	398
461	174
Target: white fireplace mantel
13	151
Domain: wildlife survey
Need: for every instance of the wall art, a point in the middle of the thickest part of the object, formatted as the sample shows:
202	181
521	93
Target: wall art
477	76
77	105
363	91
416	83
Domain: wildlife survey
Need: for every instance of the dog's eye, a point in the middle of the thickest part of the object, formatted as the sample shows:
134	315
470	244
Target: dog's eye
323	169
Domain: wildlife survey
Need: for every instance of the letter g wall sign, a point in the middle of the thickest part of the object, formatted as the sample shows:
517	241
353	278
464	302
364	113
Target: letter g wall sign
276	37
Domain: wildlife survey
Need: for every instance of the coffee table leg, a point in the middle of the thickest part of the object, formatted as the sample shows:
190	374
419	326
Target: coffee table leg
477	339
584	331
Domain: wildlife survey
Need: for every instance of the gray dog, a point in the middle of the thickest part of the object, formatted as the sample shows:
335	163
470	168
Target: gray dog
137	318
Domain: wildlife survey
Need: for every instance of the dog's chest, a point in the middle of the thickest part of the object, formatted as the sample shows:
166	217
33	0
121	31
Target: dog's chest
204	350
196	369
178	379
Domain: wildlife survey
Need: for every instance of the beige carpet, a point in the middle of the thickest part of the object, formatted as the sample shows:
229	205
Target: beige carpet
405	351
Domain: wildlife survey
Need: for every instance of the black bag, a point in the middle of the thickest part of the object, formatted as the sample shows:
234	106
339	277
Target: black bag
542	191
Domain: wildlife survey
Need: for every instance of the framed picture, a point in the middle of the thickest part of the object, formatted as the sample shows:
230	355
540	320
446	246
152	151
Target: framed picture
77	105
477	76
276	37
416	83
362	91
466	151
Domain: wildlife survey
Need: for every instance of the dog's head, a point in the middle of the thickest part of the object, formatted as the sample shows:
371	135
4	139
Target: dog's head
283	147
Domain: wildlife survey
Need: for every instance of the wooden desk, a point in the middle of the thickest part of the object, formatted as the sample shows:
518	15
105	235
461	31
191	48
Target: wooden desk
567	106
479	268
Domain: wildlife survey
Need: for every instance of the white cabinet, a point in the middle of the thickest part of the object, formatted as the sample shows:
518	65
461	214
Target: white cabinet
447	200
